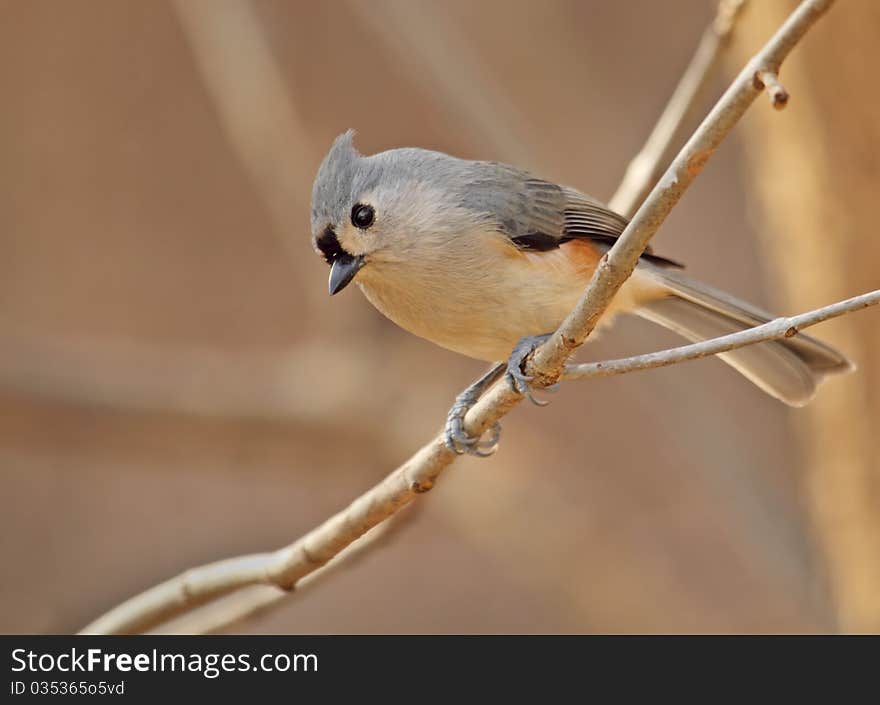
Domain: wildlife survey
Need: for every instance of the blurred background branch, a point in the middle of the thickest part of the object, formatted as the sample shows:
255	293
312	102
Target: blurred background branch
819	245
127	377
646	167
432	50
253	102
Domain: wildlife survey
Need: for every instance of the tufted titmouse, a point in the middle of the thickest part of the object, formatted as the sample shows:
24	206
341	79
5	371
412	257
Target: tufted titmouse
484	259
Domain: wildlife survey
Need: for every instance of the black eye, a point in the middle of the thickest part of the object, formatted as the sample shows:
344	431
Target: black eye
362	216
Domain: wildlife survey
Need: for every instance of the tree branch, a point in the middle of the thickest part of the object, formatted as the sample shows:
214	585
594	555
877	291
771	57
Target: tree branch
287	566
646	167
618	264
222	613
783	327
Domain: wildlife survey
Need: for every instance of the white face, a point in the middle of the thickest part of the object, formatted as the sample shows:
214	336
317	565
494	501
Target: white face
349	239
412	224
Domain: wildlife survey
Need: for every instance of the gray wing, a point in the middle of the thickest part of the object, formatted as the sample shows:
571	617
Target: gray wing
538	215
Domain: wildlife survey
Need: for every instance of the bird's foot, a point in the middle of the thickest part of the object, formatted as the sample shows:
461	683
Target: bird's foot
457	439
519	380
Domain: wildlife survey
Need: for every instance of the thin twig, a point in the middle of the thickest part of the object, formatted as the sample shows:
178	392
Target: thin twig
248	602
783	327
646	167
284	568
775	90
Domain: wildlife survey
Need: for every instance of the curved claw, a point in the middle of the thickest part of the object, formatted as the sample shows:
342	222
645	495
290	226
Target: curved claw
519	380
460	442
522	385
490	445
455	437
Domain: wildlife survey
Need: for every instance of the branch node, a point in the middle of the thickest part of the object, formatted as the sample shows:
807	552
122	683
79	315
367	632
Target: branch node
186	590
421	487
775	90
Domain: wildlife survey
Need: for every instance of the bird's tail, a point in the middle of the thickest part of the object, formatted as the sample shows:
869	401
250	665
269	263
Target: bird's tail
788	369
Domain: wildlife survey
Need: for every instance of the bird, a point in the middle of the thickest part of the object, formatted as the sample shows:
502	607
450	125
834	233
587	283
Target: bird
486	259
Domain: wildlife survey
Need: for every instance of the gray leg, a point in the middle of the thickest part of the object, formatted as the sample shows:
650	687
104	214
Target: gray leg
457	439
518	379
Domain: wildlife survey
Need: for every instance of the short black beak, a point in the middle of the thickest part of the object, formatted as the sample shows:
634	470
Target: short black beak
345	266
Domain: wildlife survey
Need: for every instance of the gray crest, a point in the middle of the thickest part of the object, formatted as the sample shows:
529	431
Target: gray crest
331	192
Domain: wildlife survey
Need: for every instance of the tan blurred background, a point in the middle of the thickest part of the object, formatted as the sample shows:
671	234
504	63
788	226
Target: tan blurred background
177	387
